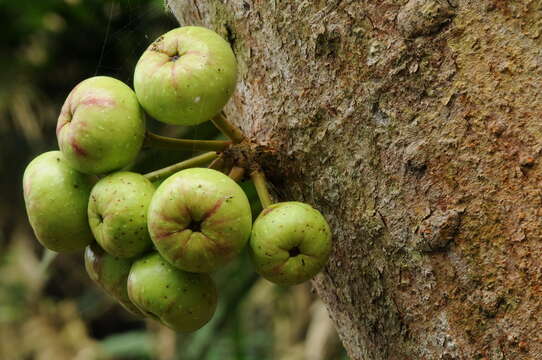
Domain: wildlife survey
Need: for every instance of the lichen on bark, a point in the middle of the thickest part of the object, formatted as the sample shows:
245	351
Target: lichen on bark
414	126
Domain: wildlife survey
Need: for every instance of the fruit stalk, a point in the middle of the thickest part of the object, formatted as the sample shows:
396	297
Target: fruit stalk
217	164
258	177
46	260
192	162
164	142
237	173
228	129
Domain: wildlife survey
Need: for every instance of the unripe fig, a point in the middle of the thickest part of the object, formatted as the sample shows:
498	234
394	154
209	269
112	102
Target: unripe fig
111	274
199	219
56	198
290	242
101	127
117	213
180	300
186	76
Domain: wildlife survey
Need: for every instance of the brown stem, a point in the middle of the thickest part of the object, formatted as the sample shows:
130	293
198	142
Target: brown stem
228	129
218	164
193	162
164	142
237	173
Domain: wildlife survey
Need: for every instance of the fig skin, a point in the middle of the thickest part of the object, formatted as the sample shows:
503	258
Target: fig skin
186	76
56	198
180	300
101	127
199	219
117	213
290	243
111	274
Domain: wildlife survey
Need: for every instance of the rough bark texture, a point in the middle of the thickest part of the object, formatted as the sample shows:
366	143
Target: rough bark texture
415	127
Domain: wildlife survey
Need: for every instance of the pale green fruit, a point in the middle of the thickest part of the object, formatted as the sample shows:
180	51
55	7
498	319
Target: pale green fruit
199	219
180	300
111	274
186	76
290	243
117	213
56	198
101	127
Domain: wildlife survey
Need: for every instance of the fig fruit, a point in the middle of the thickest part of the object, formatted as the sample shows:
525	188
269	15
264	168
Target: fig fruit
56	198
111	274
199	219
180	300
186	76
117	213
290	242
101	126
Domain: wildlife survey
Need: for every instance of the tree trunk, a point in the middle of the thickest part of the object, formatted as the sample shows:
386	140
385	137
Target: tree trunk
415	127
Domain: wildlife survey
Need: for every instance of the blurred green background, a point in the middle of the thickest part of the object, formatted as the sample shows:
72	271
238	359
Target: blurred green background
49	309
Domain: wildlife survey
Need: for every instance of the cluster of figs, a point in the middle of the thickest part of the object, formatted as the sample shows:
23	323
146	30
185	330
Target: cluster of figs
152	241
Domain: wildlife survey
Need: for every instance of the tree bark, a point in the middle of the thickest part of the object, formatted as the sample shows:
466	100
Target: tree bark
415	127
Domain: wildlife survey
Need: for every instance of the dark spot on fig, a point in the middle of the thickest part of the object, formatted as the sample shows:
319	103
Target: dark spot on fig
100	217
293	252
174	57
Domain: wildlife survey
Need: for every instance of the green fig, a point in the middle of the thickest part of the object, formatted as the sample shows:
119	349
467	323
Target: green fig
56	198
199	219
290	243
180	300
186	76
101	126
117	213
111	274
